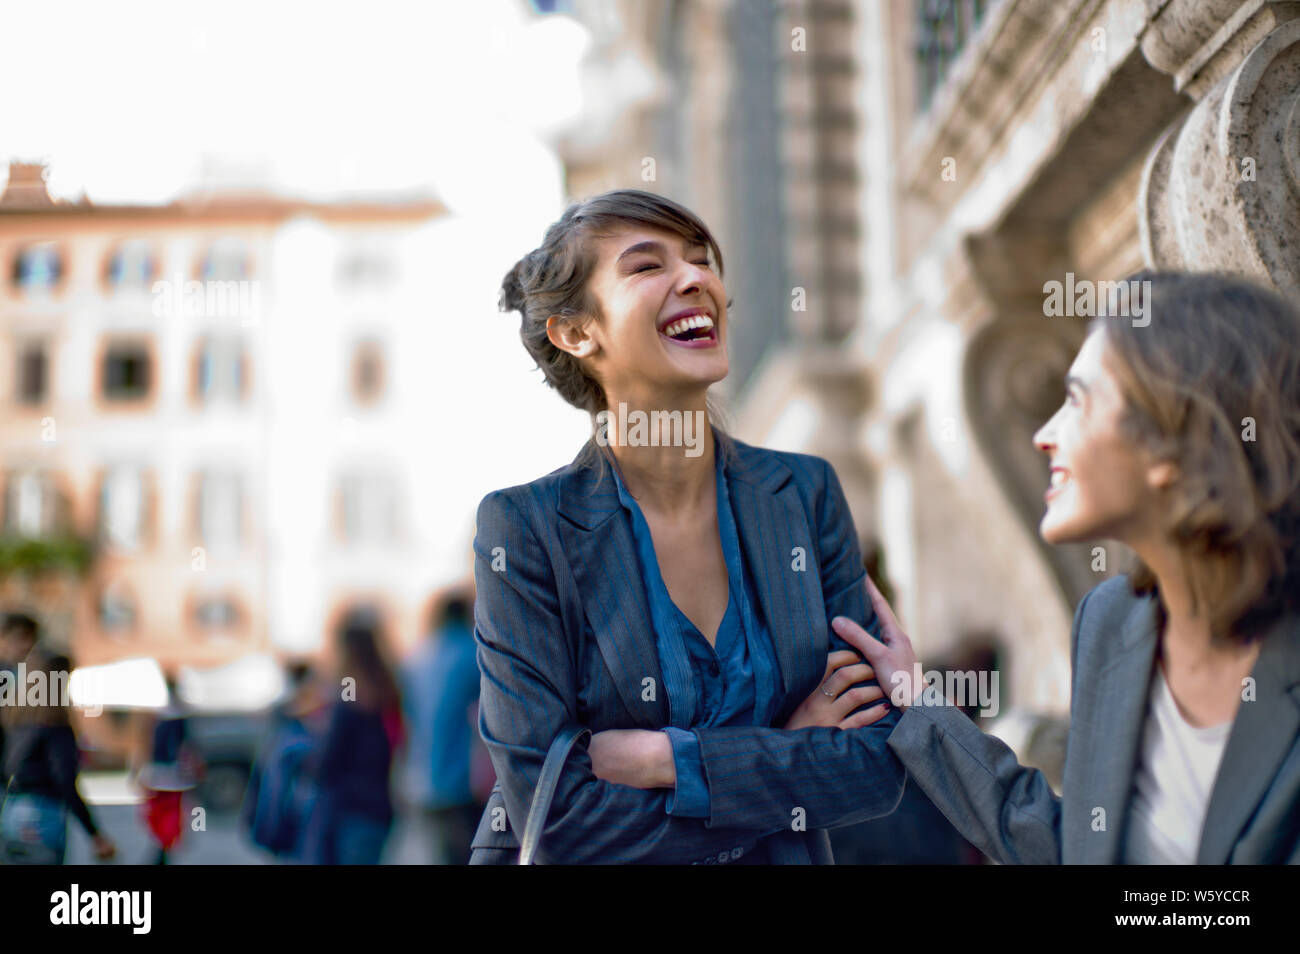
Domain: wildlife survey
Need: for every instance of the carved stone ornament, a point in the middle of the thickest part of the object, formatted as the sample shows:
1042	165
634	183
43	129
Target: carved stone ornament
1221	190
1014	374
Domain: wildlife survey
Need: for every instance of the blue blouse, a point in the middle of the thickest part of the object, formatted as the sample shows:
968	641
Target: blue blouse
733	684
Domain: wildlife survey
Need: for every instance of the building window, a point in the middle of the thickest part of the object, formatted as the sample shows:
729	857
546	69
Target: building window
122	508
31	504
221	509
116	610
38	268
220	370
33	372
943	29
226	260
369	509
216	614
131	265
367	267
126	371
367	372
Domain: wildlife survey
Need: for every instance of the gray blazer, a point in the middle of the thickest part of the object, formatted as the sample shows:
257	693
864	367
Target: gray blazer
565	637
1011	813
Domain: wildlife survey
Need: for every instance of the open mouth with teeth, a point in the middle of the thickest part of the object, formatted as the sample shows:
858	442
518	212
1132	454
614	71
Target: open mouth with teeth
1058	478
696	329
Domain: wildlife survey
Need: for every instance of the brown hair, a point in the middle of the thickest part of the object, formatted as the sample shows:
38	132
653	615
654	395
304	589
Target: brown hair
553	279
361	655
57	670
1213	385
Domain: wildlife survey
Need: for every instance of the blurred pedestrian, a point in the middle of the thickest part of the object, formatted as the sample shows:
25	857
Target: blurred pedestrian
441	682
173	768
18	635
280	794
353	811
41	766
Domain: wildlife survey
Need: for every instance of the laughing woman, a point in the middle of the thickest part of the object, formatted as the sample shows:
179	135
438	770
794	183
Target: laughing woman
670	589
1182	441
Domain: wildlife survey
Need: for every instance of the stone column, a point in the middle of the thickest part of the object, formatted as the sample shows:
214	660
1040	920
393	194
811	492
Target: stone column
843	389
1221	189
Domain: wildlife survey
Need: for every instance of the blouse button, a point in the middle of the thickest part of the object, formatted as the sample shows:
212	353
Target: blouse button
713	668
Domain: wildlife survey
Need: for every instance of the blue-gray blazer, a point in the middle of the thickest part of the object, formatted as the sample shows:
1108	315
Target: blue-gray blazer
1011	813
565	637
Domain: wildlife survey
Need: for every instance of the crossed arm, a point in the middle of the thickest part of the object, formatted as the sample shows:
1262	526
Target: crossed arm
529	692
837	773
1006	809
758	777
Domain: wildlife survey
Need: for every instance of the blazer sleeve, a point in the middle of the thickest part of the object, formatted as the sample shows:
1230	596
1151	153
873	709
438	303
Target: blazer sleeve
1006	810
529	693
760	776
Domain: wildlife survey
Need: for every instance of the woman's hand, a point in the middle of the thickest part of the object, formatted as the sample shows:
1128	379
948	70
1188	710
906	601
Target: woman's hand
104	847
891	656
639	758
830	703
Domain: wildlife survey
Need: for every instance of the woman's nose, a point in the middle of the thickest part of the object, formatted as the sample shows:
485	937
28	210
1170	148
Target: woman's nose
692	278
1044	439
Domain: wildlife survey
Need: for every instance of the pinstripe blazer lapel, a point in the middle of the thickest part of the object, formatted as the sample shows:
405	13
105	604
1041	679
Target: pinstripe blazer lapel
1263	735
602	555
771	521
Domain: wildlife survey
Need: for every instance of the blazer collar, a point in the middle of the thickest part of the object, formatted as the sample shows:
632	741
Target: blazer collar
1263	732
1121	708
587	496
770	521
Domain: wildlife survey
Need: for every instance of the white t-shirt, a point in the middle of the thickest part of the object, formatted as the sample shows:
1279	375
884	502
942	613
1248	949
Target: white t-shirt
1172	784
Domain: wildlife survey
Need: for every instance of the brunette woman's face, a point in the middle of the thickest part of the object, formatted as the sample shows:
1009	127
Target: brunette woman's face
1101	486
665	317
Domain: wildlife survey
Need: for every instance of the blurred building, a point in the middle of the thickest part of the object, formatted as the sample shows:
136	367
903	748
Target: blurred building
1011	144
203	391
892	184
747	112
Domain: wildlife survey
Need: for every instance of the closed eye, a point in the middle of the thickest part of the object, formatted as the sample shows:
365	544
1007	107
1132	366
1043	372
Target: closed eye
635	271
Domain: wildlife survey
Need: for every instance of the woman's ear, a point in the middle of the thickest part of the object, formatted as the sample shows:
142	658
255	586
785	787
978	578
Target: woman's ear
569	336
1163	475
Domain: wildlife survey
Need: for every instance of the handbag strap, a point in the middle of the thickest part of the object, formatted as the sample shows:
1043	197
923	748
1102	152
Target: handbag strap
545	791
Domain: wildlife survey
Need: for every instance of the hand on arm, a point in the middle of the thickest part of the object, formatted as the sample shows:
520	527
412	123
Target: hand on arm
1005	809
892	656
831	777
833	702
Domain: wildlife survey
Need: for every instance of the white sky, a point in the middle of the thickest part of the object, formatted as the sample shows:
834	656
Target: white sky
124	98
457	98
